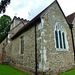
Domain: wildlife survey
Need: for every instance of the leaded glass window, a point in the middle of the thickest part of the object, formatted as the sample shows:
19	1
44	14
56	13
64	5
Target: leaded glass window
60	37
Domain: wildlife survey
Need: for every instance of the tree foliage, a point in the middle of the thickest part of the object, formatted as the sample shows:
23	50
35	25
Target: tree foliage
5	22
3	5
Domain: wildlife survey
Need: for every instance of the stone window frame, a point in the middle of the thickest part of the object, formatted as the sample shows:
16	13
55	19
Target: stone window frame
61	43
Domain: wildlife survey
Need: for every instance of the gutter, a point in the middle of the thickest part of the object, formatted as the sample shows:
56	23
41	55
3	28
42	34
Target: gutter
71	27
35	50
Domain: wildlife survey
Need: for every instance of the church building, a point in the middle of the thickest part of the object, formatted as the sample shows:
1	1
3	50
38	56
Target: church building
43	45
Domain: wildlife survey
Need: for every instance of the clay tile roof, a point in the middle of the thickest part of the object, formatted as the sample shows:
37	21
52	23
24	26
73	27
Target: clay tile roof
70	18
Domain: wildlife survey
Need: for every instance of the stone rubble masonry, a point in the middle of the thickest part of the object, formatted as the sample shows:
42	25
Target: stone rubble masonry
28	58
56	61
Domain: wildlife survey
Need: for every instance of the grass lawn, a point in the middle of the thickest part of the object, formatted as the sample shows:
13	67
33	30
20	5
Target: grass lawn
72	72
9	70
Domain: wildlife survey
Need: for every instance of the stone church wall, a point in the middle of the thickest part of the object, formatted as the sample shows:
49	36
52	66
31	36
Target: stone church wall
57	61
28	58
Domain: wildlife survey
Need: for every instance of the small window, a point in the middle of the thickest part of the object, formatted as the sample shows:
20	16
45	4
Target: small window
22	45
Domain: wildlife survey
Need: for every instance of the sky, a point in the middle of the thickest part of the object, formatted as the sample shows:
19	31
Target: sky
28	9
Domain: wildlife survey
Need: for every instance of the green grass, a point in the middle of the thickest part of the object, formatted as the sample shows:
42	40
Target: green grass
9	70
72	72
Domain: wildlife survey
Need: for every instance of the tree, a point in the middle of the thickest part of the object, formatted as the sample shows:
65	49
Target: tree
5	22
3	5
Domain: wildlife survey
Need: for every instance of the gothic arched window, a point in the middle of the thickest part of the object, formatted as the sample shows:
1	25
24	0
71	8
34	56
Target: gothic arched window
60	36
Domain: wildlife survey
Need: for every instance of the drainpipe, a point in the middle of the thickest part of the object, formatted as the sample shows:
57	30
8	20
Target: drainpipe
35	51
71	27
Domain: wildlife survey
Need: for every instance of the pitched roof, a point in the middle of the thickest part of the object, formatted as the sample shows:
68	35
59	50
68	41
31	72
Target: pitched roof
34	20
70	18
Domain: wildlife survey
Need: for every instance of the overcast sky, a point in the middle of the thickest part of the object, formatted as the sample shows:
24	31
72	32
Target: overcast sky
28	9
